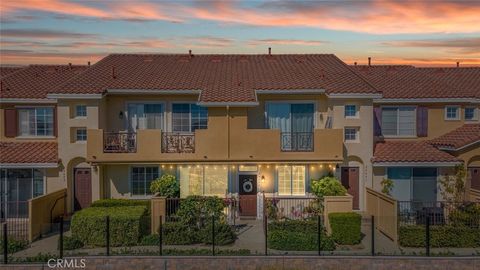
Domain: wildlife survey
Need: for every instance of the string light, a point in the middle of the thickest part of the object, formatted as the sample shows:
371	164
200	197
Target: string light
268	166
320	166
260	166
171	167
233	167
163	166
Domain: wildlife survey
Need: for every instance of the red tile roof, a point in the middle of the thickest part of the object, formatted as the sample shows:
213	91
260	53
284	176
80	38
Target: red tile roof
4	71
462	136
409	152
36	81
402	81
465	78
222	78
28	152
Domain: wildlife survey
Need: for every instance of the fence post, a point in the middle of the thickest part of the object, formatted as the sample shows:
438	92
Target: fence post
427	236
319	226
265	225
373	235
61	237
160	236
5	243
107	220
213	235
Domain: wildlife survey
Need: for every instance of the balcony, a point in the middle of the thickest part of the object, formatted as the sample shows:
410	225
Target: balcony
296	141
173	142
119	142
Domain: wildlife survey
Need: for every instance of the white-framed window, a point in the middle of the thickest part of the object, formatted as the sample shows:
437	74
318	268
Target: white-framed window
351	134
211	180
399	121
187	117
149	115
81	111
351	111
80	134
140	179
36	121
291	180
452	113
471	114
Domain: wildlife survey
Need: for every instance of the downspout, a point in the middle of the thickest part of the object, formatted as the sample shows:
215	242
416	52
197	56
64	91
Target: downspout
228	132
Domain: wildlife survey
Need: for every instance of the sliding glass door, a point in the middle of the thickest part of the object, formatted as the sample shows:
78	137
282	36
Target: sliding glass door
145	116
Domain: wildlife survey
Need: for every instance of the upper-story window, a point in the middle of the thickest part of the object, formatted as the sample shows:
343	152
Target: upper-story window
187	117
36	121
351	134
471	114
81	111
399	121
145	116
452	113
351	111
80	134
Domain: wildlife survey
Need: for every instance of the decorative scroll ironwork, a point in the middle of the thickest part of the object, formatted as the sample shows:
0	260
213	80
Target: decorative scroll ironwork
297	141
120	142
173	142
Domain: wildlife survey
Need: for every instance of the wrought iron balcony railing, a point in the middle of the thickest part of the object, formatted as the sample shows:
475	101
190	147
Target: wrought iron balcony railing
296	141
174	142
119	142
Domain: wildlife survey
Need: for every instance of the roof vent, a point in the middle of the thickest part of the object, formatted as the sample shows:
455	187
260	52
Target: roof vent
269	51
369	61
355	63
88	63
458	64
70	65
190	53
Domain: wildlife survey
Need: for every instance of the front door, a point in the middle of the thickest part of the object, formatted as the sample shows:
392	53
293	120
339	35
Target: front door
474	177
350	179
247	185
82	188
424	185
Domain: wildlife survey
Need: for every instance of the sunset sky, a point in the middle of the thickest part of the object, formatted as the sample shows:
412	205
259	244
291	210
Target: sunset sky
428	33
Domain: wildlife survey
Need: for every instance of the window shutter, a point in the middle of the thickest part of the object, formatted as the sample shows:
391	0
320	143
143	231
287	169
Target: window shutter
422	121
55	122
10	122
377	121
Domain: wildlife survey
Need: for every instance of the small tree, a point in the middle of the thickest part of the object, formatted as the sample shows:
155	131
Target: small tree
387	186
327	186
453	187
166	186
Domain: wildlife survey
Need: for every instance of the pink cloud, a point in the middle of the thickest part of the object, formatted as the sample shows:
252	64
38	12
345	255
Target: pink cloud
256	42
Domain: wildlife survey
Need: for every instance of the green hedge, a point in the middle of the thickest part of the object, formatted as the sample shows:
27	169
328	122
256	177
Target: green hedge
297	235
346	228
440	236
120	202
70	243
127	225
14	245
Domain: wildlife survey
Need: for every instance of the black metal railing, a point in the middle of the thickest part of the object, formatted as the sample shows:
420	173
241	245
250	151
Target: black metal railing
296	141
119	142
15	215
173	142
278	208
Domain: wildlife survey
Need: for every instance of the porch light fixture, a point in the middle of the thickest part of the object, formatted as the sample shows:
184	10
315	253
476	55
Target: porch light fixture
120	115
263	179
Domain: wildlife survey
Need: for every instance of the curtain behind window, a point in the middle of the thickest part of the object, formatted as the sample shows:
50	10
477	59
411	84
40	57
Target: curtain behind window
302	117
145	116
278	116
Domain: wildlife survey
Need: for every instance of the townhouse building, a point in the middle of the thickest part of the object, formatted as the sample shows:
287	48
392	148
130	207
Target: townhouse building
233	124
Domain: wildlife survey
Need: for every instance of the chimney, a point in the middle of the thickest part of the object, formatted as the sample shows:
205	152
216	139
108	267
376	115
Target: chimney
458	64
88	63
355	63
369	61
113	73
269	51
190	53
70	65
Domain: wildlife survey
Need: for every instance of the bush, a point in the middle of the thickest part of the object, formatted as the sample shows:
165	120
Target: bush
346	228
298	235
70	243
327	186
127	225
466	215
179	234
224	234
14	245
120	202
166	186
440	236
196	211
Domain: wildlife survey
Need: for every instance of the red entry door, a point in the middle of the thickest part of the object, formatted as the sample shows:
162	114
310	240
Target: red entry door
350	179
247	184
82	188
475	177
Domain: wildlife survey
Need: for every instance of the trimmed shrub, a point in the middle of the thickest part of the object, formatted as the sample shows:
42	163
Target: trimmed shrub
166	186
297	235
346	228
197	211
119	203
466	215
327	186
70	243
14	245
178	234
224	234
440	236
127	225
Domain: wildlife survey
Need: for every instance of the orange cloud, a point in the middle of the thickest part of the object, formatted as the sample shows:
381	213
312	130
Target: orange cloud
256	42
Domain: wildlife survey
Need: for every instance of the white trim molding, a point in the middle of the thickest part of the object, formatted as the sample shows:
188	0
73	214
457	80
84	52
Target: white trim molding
415	164
75	96
154	92
28	165
28	100
291	91
355	95
426	100
459	148
230	104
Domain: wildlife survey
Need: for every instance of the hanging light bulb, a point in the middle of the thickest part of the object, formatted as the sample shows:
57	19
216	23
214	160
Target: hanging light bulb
268	166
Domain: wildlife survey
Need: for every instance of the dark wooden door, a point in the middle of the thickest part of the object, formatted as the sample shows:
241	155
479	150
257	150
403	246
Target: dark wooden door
475	177
350	179
247	184
82	188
